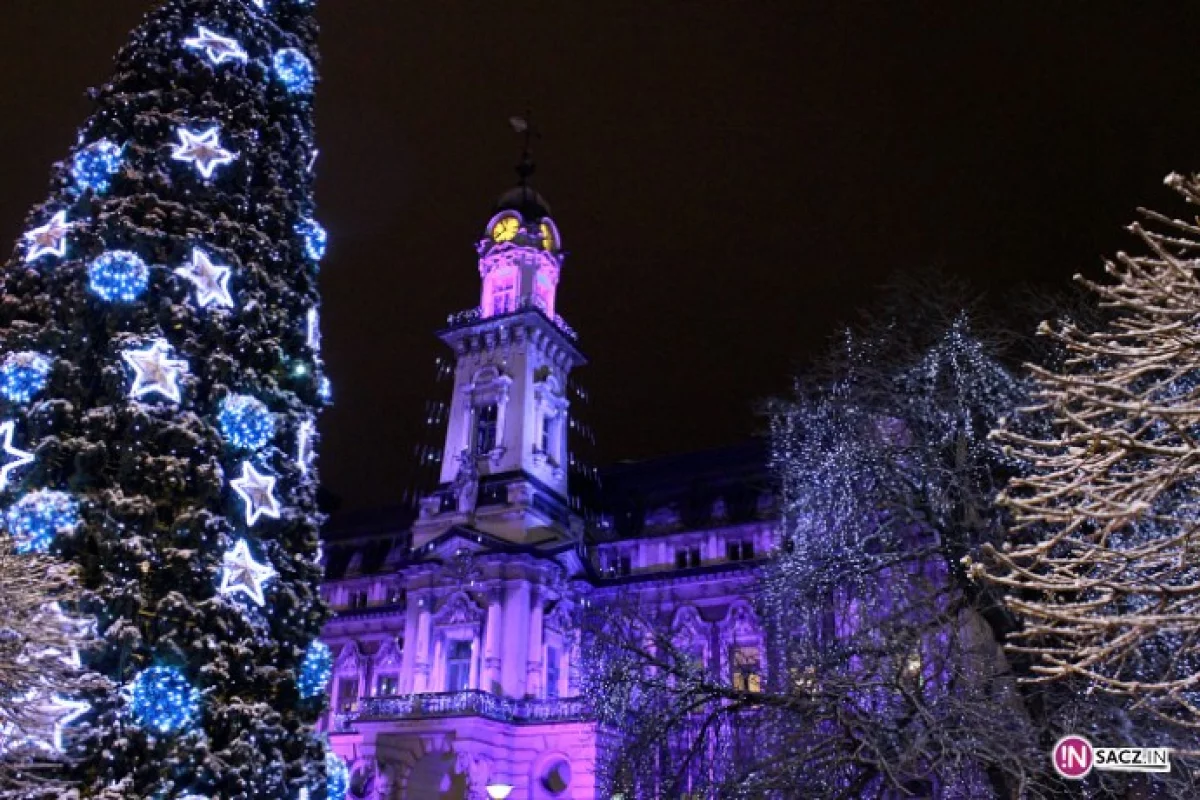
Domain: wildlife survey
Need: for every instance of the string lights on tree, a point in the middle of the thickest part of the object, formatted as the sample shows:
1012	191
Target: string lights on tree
94	166
23	375
37	518
118	276
162	699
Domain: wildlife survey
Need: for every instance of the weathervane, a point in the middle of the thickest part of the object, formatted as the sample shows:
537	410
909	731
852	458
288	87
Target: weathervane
525	125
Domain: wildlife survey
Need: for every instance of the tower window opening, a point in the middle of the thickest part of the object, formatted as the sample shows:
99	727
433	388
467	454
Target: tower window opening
485	428
552	672
503	297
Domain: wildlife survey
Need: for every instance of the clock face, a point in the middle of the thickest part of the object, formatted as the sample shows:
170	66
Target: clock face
506	229
548	242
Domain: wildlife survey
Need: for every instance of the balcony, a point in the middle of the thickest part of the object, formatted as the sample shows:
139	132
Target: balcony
470	703
473	315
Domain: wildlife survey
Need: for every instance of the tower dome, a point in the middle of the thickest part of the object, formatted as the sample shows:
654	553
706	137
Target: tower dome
525	200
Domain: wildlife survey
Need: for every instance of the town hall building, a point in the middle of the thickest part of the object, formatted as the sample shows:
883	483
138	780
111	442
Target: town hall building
457	656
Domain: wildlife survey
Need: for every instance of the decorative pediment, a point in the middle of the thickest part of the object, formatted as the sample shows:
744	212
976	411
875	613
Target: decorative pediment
740	623
687	626
349	659
560	618
459	609
389	655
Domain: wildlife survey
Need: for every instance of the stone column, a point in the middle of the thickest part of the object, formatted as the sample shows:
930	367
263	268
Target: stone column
473	679
491	646
421	651
533	675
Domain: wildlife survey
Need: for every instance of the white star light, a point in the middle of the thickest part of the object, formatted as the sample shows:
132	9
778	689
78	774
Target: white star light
241	573
219	49
154	372
50	239
19	457
210	280
64	713
202	149
314	330
304	449
255	490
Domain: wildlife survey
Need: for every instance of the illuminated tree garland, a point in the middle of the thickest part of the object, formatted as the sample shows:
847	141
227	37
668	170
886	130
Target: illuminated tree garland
38	517
246	422
316	670
23	375
118	276
294	70
95	165
162	699
315	238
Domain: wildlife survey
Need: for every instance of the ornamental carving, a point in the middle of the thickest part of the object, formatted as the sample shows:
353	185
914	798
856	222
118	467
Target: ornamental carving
459	609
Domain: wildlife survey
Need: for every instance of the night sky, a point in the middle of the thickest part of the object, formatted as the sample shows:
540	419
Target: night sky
731	179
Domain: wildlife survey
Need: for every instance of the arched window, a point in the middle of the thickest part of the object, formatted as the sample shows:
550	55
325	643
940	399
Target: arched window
502	292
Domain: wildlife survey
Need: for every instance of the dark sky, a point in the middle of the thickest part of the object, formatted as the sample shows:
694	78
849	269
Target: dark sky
731	177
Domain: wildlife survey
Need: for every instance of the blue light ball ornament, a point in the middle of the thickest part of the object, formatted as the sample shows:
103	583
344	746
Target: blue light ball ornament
294	70
315	670
164	700
316	240
337	777
94	166
23	375
35	519
118	276
246	422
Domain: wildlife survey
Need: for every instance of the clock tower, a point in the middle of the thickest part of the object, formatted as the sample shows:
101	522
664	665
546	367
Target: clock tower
505	458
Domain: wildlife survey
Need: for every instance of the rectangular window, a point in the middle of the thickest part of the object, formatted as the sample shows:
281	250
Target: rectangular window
347	694
747	551
747	676
458	666
547	440
739	551
386	685
485	428
694	557
689	557
504	294
681	559
625	565
552	672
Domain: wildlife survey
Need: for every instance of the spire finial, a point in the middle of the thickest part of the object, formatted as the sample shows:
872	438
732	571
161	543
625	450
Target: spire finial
524	125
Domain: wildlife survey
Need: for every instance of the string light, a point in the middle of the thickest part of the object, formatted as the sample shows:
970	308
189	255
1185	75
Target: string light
315	670
294	70
241	573
35	519
337	777
118	276
19	458
316	240
23	375
48	240
211	281
219	49
163	699
304	448
246	422
255	489
203	150
94	166
154	373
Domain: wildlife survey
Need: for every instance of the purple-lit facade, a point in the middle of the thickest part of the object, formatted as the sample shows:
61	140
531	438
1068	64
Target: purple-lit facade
456	649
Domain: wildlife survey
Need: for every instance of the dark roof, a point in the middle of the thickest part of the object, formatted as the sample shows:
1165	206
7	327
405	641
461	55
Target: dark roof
524	199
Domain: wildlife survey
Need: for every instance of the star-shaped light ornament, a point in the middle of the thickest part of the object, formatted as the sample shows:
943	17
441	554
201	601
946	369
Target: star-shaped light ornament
211	281
256	489
219	49
304	445
202	149
14	458
154	372
241	573
48	240
63	712
54	714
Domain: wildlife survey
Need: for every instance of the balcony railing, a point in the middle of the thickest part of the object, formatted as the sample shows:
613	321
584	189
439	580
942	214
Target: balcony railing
470	703
472	315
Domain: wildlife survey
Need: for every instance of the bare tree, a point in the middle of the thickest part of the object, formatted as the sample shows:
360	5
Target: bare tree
1103	562
41	676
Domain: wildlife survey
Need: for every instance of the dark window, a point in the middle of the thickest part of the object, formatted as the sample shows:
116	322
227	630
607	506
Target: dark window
552	672
687	558
458	666
681	559
485	428
347	694
739	551
625	565
747	551
694	557
547	431
395	596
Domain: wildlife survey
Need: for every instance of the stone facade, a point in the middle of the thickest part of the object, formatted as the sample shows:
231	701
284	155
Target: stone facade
455	635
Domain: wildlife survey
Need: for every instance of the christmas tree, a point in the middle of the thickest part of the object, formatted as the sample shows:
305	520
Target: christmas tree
159	381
